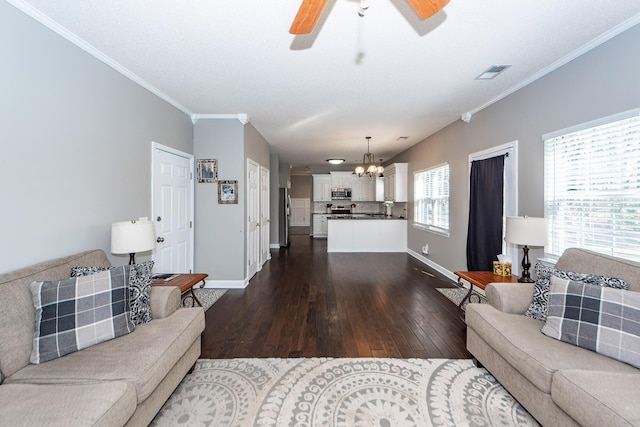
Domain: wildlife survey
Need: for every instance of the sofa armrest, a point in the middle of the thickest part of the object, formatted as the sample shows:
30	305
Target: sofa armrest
511	298
165	300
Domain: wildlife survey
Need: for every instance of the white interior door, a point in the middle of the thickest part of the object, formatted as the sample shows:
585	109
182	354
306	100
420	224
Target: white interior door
172	209
253	218
265	220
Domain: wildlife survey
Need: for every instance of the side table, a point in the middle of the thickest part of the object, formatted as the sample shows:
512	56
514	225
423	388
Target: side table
186	283
479	279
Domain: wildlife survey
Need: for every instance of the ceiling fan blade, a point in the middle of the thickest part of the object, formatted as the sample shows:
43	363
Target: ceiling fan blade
427	8
308	15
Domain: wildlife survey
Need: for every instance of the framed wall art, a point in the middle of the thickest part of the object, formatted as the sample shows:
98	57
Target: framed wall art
228	192
207	170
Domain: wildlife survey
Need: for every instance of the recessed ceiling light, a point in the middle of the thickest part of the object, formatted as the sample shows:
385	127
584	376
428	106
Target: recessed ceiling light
335	161
492	72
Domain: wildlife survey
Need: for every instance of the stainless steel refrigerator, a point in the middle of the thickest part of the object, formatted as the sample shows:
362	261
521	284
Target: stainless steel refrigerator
284	215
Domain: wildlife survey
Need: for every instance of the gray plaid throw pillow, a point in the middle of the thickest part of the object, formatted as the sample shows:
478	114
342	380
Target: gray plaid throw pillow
80	312
600	319
539	305
139	288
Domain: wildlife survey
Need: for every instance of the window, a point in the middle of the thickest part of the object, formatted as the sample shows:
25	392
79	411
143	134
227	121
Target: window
592	187
431	199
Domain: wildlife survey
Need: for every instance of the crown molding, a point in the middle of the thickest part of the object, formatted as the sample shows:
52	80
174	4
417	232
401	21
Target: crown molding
91	50
243	118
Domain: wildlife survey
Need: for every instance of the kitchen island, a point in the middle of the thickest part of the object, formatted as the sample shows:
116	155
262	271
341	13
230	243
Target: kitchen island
366	233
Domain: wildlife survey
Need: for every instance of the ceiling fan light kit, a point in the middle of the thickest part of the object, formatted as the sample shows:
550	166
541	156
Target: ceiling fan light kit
310	11
335	161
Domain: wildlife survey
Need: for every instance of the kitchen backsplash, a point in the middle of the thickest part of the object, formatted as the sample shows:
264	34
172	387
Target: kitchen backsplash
361	207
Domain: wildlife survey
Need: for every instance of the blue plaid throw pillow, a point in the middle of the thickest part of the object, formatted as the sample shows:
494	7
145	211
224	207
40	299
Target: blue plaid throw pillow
80	312
600	319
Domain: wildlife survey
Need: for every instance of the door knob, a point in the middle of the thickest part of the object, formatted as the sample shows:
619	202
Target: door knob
160	239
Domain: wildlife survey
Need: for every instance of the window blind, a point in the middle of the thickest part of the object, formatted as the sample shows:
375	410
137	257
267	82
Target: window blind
592	187
431	199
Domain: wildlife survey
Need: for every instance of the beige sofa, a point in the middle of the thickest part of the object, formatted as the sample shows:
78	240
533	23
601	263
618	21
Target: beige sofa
558	383
124	381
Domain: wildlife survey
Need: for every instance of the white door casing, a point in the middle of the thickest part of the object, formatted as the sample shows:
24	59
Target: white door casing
253	218
172	209
265	220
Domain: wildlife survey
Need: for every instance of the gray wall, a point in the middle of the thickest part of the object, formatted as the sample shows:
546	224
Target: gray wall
220	238
76	145
301	186
219	232
274	230
602	82
256	147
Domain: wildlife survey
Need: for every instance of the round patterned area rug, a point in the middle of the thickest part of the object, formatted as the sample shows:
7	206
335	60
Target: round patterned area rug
341	392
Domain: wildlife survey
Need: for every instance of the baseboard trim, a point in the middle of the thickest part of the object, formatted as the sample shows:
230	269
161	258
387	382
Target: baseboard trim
274	246
440	269
225	284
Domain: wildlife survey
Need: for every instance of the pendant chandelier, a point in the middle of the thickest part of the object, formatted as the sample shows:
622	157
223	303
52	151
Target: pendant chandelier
369	166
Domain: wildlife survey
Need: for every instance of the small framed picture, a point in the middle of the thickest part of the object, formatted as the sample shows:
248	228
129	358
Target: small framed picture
207	170
227	192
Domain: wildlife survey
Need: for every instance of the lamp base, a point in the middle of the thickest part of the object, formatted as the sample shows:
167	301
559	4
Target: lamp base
526	276
132	258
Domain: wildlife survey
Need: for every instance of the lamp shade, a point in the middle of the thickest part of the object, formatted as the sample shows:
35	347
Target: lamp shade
132	236
526	230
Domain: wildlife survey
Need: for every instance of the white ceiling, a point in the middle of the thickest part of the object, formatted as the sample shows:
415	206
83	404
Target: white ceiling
317	96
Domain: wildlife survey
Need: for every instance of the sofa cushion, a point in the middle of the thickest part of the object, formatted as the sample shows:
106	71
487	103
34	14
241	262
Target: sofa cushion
599	319
598	398
584	261
139	288
100	404
17	322
519	341
141	358
79	312
539	305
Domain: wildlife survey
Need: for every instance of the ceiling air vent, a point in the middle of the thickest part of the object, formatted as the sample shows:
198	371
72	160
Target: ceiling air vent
492	71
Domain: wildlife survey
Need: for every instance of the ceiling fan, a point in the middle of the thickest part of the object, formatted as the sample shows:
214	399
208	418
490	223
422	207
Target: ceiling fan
310	11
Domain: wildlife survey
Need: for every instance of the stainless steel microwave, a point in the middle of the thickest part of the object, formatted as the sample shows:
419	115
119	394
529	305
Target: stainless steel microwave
340	194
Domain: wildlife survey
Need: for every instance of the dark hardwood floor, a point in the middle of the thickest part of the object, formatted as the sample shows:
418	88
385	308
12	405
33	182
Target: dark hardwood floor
307	303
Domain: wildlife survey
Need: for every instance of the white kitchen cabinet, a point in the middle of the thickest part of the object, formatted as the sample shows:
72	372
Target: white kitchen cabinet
367	235
342	179
379	189
320	226
300	212
362	189
395	182
322	188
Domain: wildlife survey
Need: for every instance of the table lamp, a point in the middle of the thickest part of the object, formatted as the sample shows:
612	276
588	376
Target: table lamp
129	237
527	231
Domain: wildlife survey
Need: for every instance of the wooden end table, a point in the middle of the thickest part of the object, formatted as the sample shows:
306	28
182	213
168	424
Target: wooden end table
186	283
479	279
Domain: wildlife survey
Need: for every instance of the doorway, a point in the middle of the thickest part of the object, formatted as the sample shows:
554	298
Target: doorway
253	218
172	208
265	215
509	190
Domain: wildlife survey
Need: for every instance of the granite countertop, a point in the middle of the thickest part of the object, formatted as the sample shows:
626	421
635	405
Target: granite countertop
363	216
